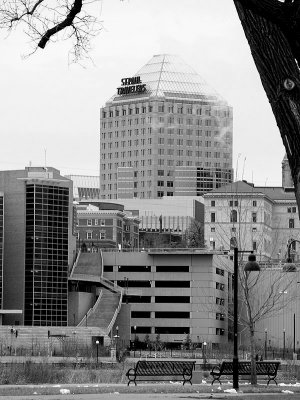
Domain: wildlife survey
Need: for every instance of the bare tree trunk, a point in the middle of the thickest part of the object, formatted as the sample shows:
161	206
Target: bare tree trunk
273	52
253	356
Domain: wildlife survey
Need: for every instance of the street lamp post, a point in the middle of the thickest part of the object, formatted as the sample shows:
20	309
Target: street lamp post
134	343
204	354
294	334
97	345
266	343
251	265
284	344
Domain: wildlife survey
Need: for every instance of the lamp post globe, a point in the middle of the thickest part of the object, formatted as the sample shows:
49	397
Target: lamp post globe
251	265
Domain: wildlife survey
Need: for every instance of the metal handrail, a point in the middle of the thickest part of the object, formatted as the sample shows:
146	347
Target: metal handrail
92	309
75	263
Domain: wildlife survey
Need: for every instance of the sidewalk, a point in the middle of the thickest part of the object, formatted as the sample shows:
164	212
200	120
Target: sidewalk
142	387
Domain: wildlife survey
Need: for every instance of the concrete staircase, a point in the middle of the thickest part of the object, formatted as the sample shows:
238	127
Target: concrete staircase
104	310
88	267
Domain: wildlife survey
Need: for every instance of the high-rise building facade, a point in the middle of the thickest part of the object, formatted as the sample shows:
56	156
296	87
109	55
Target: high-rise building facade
39	245
163	128
1	247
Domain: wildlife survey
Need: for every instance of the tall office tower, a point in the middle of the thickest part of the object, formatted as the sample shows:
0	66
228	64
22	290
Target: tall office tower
164	133
1	247
39	245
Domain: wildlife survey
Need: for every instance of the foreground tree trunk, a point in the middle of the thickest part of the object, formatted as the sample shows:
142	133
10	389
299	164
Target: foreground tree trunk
272	29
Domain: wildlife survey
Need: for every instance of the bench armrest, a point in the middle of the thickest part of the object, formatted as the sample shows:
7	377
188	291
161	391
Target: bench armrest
131	372
216	369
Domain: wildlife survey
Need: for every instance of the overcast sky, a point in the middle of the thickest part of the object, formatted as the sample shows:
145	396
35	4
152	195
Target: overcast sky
46	103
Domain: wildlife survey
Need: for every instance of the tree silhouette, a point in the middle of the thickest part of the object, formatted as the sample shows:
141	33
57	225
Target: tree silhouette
272	29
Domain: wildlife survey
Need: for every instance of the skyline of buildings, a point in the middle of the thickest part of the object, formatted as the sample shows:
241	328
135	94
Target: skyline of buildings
165	162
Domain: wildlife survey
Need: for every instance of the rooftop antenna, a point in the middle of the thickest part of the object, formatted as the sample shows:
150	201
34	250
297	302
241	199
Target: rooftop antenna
45	151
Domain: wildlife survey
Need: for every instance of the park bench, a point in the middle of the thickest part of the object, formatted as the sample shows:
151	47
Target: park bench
175	370
268	368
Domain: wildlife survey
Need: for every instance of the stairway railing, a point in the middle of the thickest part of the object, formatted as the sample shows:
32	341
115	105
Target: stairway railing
91	310
75	263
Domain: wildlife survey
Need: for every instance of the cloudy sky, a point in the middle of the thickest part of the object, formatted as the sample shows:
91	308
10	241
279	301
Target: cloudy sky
50	108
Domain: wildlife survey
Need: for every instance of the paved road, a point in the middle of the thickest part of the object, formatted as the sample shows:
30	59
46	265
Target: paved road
157	396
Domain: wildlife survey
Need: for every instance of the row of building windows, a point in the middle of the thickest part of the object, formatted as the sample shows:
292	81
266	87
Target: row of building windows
163	140
147	268
91	222
291	222
163	120
157	299
157	284
164	299
168	330
168	315
90	236
208	133
169	152
161	162
235	203
234	217
171	108
161	314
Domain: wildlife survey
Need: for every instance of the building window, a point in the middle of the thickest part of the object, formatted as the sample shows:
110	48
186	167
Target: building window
233	243
220	331
160	194
89	235
102	222
102	235
220	286
89	222
254	217
220	316
213	217
220	271
233	216
220	301
291	223
213	229
160	183
254	203
213	203
254	246
234	203
291	209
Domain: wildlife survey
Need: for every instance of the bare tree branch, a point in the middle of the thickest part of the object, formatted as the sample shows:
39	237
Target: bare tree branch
68	21
45	20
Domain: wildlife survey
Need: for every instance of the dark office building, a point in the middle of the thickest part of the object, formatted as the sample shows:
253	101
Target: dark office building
39	245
